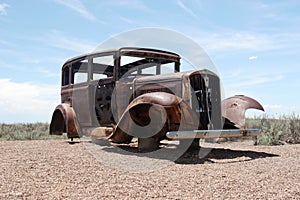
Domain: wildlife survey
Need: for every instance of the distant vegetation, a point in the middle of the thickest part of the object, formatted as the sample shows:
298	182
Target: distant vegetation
285	129
28	131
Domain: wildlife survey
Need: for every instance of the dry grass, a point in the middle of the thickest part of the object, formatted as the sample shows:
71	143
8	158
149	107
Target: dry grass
285	129
28	131
277	131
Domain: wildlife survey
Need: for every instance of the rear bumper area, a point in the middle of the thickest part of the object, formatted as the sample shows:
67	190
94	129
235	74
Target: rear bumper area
202	134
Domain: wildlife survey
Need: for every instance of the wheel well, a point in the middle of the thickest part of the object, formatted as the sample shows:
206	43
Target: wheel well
57	125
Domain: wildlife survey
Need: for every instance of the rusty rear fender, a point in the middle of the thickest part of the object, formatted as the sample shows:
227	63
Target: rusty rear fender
64	120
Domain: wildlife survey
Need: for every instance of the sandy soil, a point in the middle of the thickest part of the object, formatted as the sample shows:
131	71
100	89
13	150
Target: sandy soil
55	169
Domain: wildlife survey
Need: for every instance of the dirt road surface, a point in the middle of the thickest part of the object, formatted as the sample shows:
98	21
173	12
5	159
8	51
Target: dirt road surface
54	169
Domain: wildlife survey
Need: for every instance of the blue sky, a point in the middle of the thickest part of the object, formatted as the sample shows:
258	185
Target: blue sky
253	44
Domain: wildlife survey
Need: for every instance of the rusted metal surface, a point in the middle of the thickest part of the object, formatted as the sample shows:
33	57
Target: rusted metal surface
64	120
167	106
234	108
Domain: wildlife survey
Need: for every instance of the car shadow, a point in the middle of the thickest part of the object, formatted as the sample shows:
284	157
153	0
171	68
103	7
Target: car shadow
220	155
198	155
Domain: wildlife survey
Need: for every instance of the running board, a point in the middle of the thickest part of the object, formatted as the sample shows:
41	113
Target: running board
202	134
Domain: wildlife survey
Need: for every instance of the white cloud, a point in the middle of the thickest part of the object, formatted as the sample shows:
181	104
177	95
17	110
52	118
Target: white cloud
186	9
77	6
252	57
3	7
60	40
27	99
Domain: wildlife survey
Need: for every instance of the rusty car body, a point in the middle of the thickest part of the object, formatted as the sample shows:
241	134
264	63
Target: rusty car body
139	92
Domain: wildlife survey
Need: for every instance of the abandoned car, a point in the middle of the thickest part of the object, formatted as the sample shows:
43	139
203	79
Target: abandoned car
144	93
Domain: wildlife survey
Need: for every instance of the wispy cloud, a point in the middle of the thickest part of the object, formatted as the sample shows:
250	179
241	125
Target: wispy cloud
78	7
3	7
3	42
238	40
186	9
260	5
134	4
256	80
243	83
232	74
235	41
124	19
60	40
48	73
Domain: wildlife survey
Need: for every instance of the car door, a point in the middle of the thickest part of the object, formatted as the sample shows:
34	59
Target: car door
102	87
80	91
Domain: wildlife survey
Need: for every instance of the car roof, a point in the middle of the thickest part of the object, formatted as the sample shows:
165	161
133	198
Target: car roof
125	50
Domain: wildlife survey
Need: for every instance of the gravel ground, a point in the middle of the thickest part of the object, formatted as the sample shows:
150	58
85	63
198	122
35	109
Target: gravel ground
54	169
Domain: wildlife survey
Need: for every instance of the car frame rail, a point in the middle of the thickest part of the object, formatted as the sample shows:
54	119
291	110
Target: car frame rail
202	134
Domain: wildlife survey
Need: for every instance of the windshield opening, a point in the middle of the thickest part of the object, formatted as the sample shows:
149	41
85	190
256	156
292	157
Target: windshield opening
144	66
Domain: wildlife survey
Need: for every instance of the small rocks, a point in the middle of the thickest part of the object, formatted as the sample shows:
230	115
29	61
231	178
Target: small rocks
54	169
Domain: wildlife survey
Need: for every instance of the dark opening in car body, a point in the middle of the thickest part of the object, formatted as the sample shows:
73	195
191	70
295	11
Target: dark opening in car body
138	92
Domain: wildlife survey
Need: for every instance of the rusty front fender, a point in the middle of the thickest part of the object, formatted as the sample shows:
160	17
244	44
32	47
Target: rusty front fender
161	109
234	108
64	120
